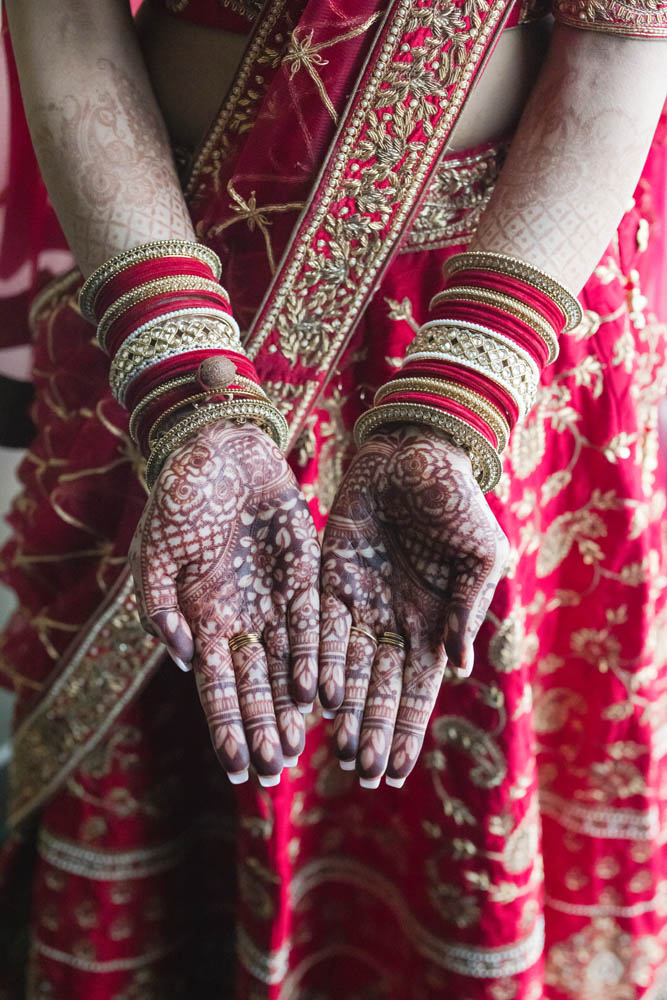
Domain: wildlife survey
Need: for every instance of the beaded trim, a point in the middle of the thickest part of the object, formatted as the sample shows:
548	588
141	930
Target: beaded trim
167	337
240	410
484	351
486	465
515	268
509	304
159	286
459	394
147	251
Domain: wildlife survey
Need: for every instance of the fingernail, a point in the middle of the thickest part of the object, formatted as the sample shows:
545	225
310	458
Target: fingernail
468	661
238	777
395	782
326	714
370	782
269	780
347	765
181	664
306	709
291	761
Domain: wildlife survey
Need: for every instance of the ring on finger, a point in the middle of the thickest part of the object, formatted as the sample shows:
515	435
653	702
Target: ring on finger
244	639
360	630
392	639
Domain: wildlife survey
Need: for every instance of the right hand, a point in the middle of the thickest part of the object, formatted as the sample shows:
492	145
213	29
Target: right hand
227	545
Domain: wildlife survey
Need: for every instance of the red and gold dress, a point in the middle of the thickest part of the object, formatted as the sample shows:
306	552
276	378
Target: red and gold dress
526	856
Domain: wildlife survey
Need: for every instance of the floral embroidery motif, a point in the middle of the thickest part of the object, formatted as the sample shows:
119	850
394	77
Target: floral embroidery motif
641	18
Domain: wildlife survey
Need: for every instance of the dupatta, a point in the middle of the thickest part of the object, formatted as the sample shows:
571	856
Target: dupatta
305	184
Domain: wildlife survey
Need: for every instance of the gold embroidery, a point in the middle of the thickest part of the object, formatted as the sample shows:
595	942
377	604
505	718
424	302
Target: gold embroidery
336	256
620	17
454	201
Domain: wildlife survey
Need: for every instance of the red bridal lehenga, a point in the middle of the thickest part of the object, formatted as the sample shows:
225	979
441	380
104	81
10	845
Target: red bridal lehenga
526	856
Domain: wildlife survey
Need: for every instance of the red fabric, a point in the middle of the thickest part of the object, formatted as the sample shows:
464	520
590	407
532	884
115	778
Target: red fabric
458	869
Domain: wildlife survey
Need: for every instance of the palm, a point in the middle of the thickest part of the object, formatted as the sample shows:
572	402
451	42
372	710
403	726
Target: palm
227	546
411	548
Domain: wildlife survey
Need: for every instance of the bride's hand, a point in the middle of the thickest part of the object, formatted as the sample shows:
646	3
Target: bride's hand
412	548
227	546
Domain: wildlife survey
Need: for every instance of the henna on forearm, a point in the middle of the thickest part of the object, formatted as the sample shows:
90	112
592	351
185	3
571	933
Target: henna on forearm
578	153
98	133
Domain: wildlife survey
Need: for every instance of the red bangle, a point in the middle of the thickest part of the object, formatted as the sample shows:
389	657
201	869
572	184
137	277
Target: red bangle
161	306
465	377
148	270
506	285
181	364
449	405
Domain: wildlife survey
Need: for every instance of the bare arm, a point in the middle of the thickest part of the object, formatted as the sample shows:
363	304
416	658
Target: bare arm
98	133
578	153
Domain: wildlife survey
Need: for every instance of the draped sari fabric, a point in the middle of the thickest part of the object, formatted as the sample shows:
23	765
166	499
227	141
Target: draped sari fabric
537	811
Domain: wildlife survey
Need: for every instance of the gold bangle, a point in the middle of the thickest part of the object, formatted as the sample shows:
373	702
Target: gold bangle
257	411
515	268
160	390
160	286
506	303
459	394
154	436
486	465
483	350
167	338
176	383
146	251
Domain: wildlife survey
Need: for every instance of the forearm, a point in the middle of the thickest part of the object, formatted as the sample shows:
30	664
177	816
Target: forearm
578	153
98	133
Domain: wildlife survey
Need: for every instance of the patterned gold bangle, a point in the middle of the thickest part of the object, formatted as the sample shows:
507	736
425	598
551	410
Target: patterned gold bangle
482	350
160	286
514	267
147	251
167	338
509	304
154	434
460	394
241	411
486	465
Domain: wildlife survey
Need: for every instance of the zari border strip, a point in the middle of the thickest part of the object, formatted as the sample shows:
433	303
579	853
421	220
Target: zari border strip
339	304
464	960
103	670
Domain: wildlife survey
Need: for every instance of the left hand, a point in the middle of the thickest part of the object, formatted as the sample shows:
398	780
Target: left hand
411	547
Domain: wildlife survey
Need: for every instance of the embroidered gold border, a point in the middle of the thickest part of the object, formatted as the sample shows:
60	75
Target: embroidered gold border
342	310
103	670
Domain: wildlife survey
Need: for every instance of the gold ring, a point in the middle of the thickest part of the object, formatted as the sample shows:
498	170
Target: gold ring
393	639
244	639
362	631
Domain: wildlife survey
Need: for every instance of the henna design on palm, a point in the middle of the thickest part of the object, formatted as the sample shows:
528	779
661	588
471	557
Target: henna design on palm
411	546
226	545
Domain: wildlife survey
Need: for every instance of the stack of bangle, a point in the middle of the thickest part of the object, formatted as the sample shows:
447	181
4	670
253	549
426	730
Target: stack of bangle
474	366
177	361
